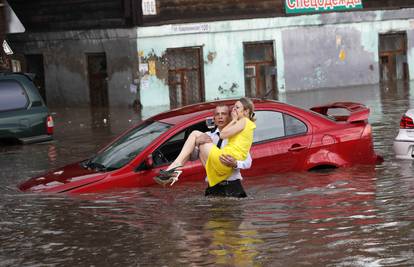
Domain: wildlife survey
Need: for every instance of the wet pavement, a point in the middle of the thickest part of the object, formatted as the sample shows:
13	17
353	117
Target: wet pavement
359	216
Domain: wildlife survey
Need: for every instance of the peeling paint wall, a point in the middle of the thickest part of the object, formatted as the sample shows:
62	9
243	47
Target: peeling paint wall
312	51
222	56
65	63
328	56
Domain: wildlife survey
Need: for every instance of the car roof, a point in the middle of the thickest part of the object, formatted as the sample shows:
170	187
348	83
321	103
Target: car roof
6	74
182	114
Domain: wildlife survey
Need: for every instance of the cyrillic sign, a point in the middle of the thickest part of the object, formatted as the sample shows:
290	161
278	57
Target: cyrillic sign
309	6
190	28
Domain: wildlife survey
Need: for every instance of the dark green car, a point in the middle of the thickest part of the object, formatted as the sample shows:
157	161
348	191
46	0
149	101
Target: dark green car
23	114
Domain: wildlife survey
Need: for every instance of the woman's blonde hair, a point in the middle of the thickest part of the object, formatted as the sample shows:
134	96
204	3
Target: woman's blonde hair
248	104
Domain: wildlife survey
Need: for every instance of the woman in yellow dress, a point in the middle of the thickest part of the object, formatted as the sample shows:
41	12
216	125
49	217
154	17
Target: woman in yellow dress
239	133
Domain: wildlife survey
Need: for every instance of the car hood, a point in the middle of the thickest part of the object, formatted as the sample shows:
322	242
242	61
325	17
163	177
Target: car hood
63	179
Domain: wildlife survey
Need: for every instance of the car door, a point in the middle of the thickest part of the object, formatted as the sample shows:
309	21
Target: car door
166	153
281	143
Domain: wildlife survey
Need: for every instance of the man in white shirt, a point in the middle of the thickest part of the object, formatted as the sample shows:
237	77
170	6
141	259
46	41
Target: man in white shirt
231	187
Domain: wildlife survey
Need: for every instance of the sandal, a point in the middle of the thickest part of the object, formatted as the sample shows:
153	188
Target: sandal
170	176
169	173
163	180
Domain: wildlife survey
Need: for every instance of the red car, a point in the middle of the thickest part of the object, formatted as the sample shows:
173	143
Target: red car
287	138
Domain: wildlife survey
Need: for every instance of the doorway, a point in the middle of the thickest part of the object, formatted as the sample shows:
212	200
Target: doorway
34	64
185	76
98	76
260	70
393	57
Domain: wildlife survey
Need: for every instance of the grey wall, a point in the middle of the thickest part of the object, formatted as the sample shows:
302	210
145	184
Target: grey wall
318	57
341	49
65	63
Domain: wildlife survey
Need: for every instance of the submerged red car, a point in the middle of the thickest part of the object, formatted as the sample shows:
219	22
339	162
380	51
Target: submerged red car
287	138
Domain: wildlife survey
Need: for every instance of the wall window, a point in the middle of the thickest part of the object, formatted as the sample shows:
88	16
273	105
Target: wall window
260	70
185	78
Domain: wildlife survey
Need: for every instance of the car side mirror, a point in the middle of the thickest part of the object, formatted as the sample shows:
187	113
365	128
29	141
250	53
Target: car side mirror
146	164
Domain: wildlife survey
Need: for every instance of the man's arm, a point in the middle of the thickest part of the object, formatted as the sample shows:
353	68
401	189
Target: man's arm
231	162
245	164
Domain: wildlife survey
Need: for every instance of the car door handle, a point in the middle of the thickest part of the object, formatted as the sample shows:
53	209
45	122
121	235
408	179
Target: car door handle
296	147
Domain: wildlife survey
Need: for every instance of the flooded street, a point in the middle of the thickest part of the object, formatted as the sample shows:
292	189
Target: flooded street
359	216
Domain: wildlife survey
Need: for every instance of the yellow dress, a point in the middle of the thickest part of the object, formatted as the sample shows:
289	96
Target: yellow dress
238	147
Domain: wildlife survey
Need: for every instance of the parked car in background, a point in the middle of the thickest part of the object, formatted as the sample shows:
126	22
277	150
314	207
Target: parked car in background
404	142
287	138
24	116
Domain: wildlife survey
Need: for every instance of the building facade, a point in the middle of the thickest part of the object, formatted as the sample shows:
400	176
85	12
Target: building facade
186	63
84	53
82	68
165	54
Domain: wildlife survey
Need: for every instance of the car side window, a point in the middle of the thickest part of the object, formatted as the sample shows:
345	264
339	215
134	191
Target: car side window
12	96
294	126
269	125
168	151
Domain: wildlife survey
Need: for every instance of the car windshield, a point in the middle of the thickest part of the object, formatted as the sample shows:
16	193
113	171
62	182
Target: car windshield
127	147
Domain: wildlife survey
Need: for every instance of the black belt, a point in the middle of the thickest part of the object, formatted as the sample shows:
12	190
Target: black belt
229	182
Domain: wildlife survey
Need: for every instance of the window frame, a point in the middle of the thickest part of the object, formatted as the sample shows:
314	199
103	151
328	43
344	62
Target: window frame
176	132
284	127
24	92
298	134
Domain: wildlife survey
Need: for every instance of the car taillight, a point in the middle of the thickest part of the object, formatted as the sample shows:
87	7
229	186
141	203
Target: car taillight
367	133
406	123
49	124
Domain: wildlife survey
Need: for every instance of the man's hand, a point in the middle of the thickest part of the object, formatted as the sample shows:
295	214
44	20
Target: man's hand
203	139
228	161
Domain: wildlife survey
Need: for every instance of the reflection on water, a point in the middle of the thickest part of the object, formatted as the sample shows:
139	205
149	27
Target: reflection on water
360	216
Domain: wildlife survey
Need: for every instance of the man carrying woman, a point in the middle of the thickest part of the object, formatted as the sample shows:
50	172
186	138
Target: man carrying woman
239	133
232	186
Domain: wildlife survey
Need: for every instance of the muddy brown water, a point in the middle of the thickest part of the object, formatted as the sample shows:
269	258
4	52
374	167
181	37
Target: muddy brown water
359	216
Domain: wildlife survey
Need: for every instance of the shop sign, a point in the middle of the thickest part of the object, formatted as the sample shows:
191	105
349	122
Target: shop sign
310	6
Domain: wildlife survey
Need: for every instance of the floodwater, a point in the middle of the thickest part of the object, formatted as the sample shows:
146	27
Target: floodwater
359	216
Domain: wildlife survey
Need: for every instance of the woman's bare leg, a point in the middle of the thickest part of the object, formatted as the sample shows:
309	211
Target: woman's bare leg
186	151
204	151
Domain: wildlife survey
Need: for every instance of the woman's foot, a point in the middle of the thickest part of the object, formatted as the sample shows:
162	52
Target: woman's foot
170	171
168	176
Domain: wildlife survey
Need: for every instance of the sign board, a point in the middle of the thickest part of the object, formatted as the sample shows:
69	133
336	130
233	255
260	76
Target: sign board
7	48
190	28
311	6
149	7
